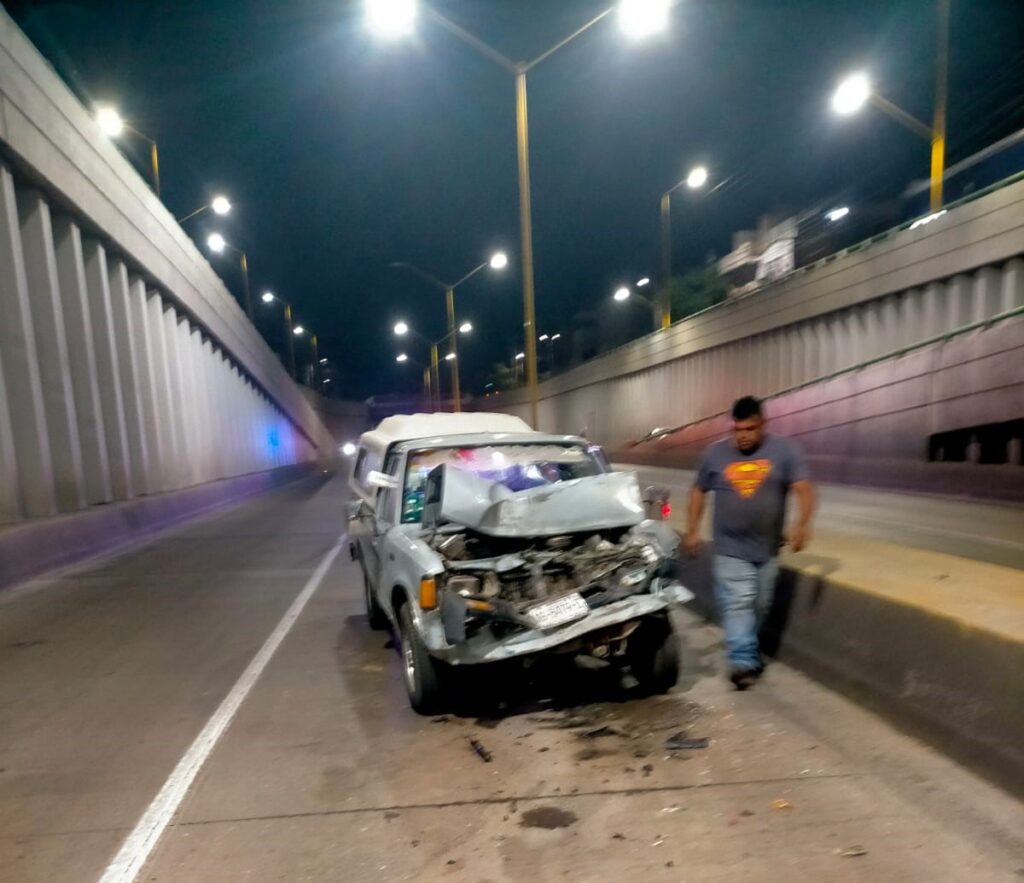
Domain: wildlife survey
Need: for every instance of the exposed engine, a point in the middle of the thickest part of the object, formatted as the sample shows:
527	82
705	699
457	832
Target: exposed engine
602	567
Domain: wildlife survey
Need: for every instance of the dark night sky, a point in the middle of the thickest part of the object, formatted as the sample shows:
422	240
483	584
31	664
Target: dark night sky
343	153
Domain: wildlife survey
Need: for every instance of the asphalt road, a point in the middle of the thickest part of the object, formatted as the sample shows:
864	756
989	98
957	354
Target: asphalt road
109	672
990	532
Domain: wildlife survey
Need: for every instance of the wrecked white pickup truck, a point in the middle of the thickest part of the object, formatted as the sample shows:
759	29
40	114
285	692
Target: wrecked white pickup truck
482	541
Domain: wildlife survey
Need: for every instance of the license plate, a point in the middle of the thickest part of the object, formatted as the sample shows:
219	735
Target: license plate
556	613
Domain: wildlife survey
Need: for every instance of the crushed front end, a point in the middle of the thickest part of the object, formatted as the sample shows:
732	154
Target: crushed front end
513	586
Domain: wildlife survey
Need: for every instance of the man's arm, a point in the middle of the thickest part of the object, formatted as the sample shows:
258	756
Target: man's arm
694	516
799	534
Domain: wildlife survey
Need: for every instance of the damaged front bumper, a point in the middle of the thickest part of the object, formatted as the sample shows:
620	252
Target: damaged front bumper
484	646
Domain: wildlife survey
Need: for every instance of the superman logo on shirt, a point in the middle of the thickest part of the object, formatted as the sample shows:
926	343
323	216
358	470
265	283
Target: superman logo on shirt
747	476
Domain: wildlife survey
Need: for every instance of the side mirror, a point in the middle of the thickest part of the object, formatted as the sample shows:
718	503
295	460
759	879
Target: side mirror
382	480
657	503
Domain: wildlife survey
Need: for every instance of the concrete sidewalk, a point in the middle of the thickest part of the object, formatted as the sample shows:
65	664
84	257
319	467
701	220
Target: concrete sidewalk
933	641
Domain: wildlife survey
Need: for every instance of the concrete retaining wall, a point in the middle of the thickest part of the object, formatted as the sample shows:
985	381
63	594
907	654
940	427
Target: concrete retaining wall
126	367
907	287
871	426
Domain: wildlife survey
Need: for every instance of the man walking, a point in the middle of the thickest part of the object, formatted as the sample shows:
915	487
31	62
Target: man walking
750	476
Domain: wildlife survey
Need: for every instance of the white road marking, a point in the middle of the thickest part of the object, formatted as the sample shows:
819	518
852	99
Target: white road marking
140	843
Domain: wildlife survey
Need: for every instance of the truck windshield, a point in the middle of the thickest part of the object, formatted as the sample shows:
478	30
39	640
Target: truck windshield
518	467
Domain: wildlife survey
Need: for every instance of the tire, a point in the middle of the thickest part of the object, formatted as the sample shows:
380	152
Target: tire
376	618
425	677
654	655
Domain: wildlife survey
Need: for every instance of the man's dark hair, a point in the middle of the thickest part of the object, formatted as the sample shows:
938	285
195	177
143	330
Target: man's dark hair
746	408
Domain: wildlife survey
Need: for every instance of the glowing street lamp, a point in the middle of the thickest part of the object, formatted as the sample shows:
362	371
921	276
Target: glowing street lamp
643	18
697	178
298	331
112	125
219	205
851	94
465	327
391	18
401	358
499	261
216	243
638	18
837	214
401	329
622	294
109	121
643	283
450	357
268	298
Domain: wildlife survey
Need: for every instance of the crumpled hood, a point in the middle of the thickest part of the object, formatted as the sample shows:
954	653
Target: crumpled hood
600	502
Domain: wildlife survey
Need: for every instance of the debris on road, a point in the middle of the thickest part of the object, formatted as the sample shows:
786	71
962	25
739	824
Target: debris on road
781	803
547	817
851	852
681	742
482	752
598	732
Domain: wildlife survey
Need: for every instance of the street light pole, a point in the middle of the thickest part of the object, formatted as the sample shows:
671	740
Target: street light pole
941	93
435	368
665	294
526	236
314	361
519	71
218	244
449	306
289	334
244	264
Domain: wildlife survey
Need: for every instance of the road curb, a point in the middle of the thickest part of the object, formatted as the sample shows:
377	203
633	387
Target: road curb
35	547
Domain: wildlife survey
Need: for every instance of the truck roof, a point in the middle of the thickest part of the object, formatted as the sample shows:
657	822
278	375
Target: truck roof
408	427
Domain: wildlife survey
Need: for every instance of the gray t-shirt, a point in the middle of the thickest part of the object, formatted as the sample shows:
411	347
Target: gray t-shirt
750	495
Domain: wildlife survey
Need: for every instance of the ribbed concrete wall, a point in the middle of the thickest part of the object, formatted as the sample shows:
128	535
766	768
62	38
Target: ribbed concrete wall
906	288
126	367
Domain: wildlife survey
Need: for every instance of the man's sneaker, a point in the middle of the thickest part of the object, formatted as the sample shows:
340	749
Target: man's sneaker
743	677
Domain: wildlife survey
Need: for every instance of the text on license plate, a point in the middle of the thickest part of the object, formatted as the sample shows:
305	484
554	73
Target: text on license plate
555	613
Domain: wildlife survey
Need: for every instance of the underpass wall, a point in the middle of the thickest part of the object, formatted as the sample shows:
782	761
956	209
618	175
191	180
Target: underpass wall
813	342
127	369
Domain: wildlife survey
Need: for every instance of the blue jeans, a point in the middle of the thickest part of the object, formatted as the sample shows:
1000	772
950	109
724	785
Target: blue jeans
743	591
